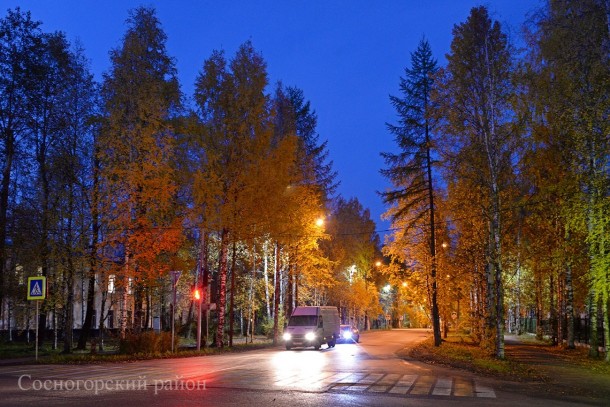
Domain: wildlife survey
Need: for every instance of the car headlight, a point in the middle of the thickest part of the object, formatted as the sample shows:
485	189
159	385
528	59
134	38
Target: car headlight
287	336
347	335
310	336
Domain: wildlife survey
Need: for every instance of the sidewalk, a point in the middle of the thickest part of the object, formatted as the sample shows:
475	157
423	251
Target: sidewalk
568	373
17	361
237	339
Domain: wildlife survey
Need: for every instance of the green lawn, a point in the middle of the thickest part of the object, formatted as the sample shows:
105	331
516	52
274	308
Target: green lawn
46	353
458	350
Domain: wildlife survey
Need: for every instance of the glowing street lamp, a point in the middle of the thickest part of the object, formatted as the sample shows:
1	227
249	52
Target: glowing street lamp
351	271
197	296
320	222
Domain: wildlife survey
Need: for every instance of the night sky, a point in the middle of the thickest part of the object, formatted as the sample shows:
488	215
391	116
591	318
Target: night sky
346	56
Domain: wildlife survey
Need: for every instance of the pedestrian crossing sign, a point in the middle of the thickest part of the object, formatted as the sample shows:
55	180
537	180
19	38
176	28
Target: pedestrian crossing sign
37	288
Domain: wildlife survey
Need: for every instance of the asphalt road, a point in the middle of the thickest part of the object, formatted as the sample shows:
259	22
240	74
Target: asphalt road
364	374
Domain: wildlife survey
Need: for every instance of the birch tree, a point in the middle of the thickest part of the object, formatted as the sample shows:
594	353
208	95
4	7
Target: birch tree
571	39
20	38
47	103
75	161
474	97
234	111
140	94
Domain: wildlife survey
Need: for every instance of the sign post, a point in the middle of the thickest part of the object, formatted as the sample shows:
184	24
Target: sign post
37	291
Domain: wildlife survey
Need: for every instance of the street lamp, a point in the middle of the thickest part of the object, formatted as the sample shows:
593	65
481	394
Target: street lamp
175	276
387	300
351	270
197	296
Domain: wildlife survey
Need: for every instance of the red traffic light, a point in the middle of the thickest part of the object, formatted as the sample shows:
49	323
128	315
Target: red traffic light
197	294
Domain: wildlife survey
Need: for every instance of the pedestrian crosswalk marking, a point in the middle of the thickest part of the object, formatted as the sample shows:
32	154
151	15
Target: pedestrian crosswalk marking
442	387
414	385
365	382
385	383
378	383
463	388
351	378
484	391
423	385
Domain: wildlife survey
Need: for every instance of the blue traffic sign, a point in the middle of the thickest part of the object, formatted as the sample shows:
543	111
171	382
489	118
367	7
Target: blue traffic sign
37	288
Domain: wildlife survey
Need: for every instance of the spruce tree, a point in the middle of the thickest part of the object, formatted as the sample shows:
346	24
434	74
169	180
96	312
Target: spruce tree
411	170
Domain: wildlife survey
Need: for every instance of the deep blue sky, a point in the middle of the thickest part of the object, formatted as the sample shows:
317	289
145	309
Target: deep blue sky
346	56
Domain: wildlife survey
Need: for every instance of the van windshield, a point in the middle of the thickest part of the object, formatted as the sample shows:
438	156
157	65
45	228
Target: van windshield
303	320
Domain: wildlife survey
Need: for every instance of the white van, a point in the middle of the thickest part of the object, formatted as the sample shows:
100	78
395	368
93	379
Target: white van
312	326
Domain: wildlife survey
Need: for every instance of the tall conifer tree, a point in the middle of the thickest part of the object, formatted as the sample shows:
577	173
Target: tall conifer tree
410	171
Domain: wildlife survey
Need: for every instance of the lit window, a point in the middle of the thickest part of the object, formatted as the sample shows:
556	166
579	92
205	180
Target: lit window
111	287
19	273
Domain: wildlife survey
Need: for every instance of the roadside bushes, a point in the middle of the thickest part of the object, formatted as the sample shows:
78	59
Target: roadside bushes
147	342
267	325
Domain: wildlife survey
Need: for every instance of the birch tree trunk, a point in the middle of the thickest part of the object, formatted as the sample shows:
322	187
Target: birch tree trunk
569	307
123	307
222	289
266	278
607	325
593	338
232	302
276	295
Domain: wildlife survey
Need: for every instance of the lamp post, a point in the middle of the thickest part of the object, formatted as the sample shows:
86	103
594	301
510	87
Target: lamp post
387	289
197	296
175	277
319	223
366	288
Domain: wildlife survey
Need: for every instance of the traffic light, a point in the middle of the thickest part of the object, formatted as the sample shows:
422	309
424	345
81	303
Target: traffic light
197	294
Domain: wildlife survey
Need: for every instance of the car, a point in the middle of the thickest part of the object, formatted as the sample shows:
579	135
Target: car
349	334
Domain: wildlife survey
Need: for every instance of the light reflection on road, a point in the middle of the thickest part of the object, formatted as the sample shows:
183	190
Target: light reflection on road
348	356
294	365
306	368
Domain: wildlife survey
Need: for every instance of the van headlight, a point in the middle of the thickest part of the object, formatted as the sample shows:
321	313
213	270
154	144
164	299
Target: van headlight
310	336
287	336
347	335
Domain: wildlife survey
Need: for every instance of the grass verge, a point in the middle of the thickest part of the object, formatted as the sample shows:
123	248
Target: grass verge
77	358
22	353
459	351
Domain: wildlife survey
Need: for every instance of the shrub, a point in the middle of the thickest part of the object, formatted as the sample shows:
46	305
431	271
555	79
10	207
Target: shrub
267	325
165	342
147	342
